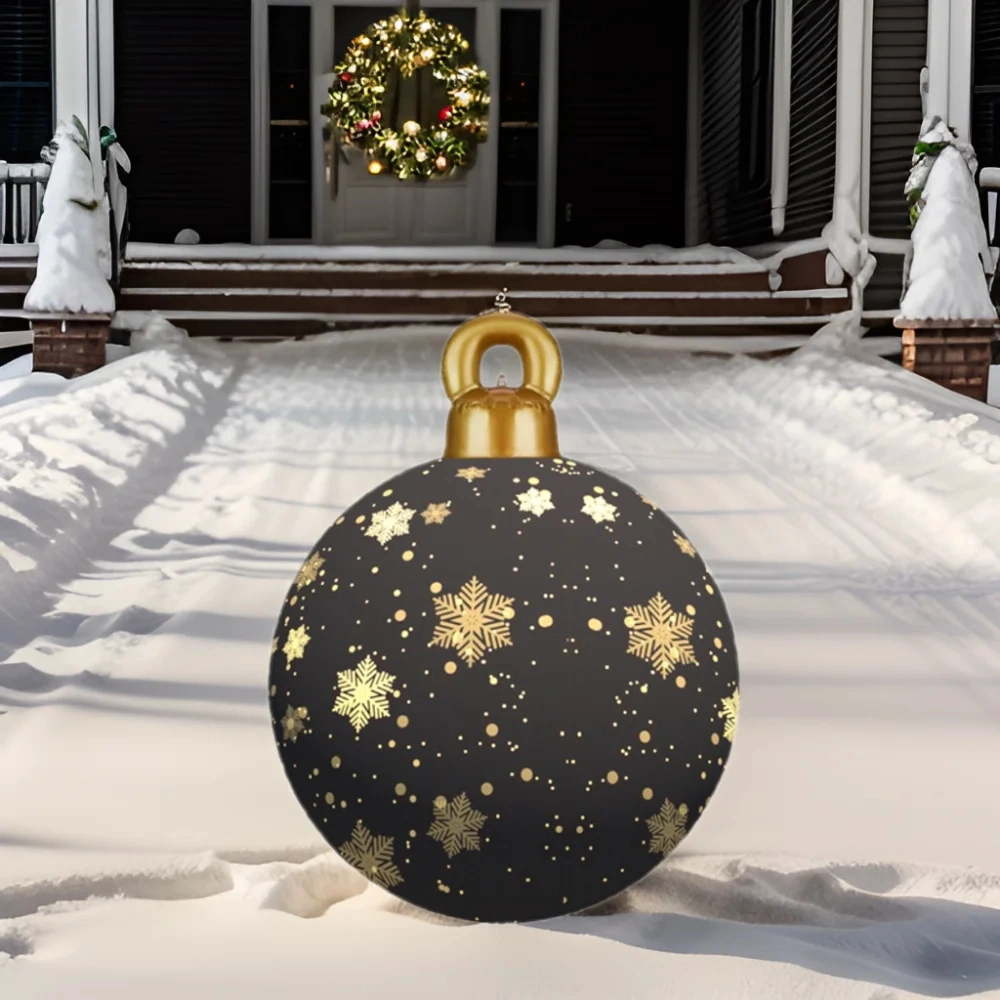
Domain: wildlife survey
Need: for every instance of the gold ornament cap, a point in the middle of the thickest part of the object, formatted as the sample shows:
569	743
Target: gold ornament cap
501	422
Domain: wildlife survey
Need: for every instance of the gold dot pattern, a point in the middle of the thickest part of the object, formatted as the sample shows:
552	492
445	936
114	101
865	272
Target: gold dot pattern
504	691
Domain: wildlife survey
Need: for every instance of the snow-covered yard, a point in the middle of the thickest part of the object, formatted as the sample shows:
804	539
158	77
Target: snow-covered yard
153	514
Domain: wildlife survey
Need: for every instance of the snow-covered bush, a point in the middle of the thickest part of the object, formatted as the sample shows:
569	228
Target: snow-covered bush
947	275
73	234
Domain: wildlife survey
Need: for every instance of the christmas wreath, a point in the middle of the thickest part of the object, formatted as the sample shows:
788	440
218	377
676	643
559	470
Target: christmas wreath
407	44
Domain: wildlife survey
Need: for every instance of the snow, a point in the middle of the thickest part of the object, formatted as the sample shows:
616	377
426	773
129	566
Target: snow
152	848
610	251
73	239
946	277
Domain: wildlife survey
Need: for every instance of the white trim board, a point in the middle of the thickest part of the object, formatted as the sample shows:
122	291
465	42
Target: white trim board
585	321
482	293
706	255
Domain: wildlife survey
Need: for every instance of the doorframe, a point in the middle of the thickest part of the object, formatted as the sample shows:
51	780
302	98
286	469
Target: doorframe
322	56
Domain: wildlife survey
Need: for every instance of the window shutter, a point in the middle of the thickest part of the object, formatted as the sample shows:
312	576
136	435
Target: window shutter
899	52
812	149
25	79
729	216
182	112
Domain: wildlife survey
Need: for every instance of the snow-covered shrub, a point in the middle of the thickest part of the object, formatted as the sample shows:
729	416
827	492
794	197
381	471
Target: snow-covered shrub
947	274
73	235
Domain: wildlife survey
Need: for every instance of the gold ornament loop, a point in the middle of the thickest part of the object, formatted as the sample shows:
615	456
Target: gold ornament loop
463	354
502	422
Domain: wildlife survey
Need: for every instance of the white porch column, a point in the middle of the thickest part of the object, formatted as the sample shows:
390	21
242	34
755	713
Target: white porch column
844	232
960	67
77	57
938	57
781	114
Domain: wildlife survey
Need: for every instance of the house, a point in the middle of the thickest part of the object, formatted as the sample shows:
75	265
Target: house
778	132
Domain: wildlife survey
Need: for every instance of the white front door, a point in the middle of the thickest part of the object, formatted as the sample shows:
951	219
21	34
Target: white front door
366	209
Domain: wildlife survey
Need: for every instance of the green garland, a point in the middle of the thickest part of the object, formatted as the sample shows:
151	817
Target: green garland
408	44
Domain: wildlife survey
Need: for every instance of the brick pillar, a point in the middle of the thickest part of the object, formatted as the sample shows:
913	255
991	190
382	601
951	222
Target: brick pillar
70	347
955	354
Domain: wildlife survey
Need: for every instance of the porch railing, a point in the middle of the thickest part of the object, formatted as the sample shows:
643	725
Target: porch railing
21	188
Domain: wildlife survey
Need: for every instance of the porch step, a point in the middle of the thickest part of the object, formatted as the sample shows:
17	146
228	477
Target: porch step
295	297
16	276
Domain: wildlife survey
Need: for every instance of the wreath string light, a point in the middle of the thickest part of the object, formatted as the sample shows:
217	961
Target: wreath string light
408	43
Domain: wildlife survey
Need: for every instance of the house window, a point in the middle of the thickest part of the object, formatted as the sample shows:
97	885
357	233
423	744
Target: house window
290	195
756	75
517	141
25	79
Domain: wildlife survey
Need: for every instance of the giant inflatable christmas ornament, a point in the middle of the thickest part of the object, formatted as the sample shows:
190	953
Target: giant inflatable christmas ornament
503	684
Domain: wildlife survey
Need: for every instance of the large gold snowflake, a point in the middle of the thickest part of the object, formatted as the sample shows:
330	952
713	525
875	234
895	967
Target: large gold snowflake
730	712
372	856
456	824
295	644
667	828
435	513
660	635
362	693
535	501
599	509
472	621
390	523
310	571
293	723
684	545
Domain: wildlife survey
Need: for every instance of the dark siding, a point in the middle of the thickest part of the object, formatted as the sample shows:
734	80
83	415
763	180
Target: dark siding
729	216
813	131
25	79
182	112
899	52
622	98
986	83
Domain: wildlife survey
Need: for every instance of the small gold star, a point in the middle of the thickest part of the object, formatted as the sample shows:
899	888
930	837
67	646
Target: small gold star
599	509
470	473
667	828
295	644
730	712
684	545
309	571
435	513
535	501
293	723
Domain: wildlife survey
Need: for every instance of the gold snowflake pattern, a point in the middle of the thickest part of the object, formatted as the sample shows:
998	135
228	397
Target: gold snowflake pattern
470	473
372	856
310	571
456	824
599	509
293	723
667	828
660	635
362	693
730	712
295	644
684	545
274	645
563	467
535	501
390	523
435	513
472	621
648	501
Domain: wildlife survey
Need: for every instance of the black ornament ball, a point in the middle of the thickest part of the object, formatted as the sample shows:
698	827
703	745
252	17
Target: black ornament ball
504	688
